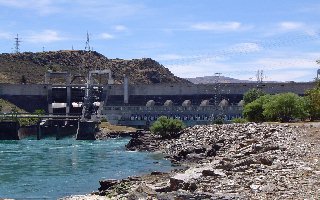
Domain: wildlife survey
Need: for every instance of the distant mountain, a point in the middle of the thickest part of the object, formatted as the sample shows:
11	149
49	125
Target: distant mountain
215	79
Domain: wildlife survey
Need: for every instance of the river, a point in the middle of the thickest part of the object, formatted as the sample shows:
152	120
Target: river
49	168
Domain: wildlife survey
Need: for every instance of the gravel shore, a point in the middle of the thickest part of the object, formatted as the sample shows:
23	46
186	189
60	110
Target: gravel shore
235	161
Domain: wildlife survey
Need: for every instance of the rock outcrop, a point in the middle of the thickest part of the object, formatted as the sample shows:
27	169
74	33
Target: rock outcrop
30	67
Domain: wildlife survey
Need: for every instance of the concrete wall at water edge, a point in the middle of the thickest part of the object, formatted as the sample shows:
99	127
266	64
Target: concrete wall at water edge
9	130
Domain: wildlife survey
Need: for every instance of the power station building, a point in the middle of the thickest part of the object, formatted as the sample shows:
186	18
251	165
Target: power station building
140	105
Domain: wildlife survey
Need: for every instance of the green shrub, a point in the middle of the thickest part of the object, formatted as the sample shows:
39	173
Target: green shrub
39	112
253	111
104	120
31	120
280	107
313	101
252	94
239	120
218	121
167	128
285	107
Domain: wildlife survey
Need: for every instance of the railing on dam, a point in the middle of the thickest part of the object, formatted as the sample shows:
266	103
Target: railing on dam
40	116
144	115
171	108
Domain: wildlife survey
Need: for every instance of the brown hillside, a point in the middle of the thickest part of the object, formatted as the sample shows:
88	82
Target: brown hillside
32	66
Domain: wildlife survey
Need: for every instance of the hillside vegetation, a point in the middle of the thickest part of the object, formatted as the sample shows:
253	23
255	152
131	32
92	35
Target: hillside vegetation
31	67
7	107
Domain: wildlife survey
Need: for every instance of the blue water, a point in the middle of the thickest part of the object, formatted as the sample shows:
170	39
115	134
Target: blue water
49	169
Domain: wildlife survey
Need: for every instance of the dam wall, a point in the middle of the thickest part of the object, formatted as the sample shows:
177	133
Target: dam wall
37	96
233	92
222	88
23	89
26	96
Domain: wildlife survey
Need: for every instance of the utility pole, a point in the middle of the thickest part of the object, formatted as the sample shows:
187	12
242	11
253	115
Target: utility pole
17	44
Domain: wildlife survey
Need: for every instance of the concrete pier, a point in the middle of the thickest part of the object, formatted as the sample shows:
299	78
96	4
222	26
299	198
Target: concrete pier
9	130
86	130
125	90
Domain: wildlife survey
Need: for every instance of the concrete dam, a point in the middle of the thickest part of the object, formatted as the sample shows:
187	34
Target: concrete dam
140	105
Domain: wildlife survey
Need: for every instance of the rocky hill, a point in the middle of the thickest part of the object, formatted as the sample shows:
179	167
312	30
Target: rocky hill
30	67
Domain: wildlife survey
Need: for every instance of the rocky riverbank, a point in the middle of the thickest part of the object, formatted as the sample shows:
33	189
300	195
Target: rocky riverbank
107	131
237	161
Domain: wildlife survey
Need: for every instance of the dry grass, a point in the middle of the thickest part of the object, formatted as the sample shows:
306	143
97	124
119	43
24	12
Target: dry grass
7	107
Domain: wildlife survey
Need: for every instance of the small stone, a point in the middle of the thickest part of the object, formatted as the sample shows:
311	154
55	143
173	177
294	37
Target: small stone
215	172
106	184
254	187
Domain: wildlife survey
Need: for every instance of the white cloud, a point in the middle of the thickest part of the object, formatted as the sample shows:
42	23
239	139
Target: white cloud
198	69
285	63
217	26
5	35
41	6
46	36
106	36
277	65
120	28
105	10
247	47
96	9
310	8
168	57
291	26
223	55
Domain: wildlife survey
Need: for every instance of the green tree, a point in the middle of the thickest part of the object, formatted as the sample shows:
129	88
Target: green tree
252	95
285	107
313	99
167	128
253	111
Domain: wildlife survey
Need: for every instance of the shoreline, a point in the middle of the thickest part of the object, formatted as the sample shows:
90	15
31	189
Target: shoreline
237	161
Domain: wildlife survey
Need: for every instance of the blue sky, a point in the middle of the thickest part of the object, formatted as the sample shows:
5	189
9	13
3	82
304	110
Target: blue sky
190	37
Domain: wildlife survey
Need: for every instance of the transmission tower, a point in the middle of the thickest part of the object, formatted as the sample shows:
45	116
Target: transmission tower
88	48
260	76
17	44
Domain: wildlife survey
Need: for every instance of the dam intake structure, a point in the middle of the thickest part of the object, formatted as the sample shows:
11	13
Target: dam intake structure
83	125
